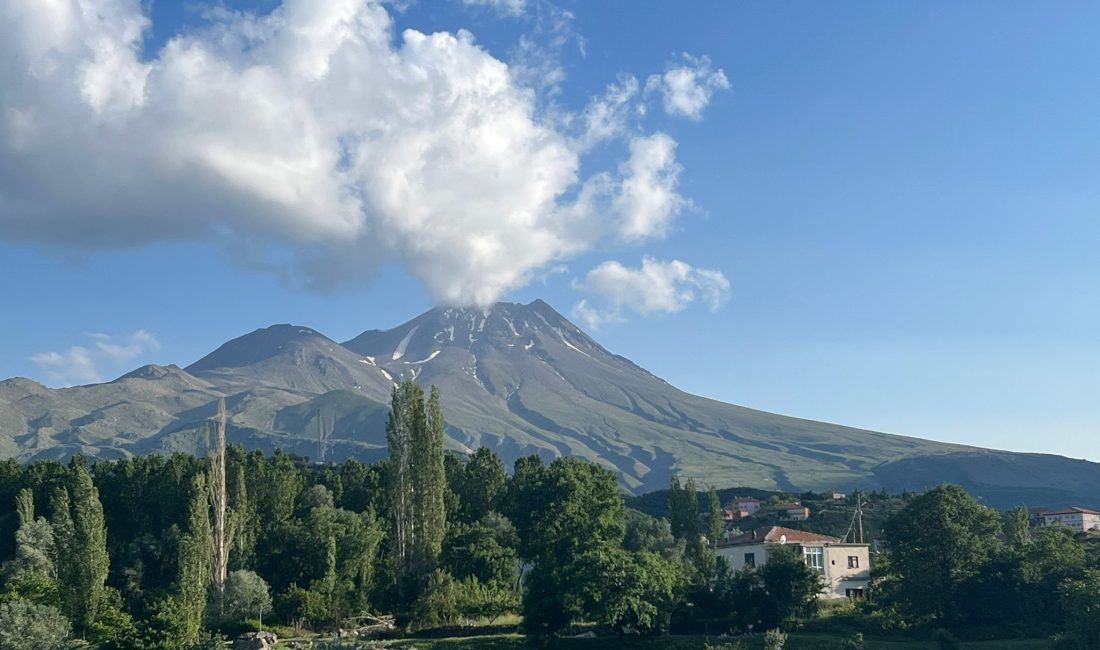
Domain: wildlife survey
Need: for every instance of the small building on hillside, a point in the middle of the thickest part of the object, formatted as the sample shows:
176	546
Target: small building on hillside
740	508
793	511
1079	519
838	496
845	568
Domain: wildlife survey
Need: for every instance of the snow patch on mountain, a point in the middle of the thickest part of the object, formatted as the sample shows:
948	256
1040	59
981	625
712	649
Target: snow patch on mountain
434	354
400	351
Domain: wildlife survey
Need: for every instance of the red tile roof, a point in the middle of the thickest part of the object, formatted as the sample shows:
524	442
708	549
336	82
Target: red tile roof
776	534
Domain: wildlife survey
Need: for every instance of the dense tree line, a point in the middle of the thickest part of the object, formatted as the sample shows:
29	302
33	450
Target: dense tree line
951	562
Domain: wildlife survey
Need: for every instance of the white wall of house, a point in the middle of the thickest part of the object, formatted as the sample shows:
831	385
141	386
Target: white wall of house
1079	521
845	568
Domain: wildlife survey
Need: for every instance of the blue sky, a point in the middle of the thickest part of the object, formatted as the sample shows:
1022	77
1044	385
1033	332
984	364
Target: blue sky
901	197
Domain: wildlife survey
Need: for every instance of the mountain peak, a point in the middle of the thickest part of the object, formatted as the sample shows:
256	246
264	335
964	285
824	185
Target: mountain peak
258	345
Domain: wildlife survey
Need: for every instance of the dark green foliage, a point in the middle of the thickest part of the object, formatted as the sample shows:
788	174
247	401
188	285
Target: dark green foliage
715	527
485	550
417	483
81	547
628	590
788	588
1016	528
480	485
939	540
683	510
578	511
194	566
1081	599
645	533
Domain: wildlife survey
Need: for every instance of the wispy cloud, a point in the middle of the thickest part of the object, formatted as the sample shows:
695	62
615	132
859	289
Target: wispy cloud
654	287
687	86
84	364
503	7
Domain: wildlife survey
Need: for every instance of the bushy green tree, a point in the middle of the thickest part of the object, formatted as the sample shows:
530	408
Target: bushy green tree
628	591
485	550
32	573
645	533
28	626
488	600
579	511
246	596
788	587
1081	599
438	603
939	539
481	485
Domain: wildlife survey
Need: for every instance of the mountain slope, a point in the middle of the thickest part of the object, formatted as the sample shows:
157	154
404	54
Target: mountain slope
521	379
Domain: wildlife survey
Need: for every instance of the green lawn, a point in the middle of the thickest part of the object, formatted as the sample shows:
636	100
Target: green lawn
794	642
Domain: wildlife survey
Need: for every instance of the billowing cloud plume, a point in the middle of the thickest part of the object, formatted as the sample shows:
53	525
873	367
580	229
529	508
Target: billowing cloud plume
655	287
313	129
686	87
83	364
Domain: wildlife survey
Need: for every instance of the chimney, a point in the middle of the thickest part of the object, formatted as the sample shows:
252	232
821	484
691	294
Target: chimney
754	534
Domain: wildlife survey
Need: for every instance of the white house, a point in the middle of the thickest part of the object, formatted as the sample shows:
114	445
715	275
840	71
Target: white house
845	568
1079	519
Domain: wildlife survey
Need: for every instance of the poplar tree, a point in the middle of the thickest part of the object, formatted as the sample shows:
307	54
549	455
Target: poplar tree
714	517
219	500
414	436
402	419
80	537
195	564
432	483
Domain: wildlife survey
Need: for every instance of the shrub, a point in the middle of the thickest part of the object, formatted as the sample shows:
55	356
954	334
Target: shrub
855	642
775	639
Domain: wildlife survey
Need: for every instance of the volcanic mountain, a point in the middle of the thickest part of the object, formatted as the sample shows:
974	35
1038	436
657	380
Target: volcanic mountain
520	379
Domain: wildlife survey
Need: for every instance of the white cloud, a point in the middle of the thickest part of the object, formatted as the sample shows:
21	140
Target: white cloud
314	129
686	88
82	365
655	287
503	7
607	116
647	200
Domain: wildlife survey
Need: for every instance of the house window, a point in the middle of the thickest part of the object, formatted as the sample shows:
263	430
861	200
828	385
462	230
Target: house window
854	594
853	561
750	559
815	558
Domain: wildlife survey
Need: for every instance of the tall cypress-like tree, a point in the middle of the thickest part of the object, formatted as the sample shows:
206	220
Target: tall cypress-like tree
414	436
219	500
195	564
432	483
80	537
714	517
398	433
